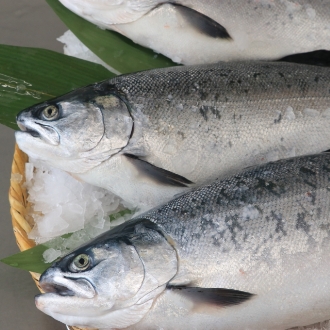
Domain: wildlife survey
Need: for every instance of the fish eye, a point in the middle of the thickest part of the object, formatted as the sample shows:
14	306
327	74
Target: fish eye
80	263
50	113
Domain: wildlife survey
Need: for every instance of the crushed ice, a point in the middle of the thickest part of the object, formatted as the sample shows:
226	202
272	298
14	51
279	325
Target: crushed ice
61	204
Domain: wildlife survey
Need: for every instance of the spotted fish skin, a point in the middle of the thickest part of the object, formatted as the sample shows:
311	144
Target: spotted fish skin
197	123
264	231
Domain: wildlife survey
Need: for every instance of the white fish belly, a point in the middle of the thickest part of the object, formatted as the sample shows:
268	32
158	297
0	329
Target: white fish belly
257	29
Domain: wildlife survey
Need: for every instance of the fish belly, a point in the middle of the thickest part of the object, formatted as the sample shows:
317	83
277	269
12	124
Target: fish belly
257	29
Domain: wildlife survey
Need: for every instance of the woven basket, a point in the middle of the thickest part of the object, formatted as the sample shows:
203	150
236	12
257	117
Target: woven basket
22	224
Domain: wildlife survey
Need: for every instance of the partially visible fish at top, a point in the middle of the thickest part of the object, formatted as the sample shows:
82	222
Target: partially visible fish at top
208	31
150	135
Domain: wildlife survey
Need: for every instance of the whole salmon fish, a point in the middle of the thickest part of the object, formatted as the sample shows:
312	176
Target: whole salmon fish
249	252
150	135
208	31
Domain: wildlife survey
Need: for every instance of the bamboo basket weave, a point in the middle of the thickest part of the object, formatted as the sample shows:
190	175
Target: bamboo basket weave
22	224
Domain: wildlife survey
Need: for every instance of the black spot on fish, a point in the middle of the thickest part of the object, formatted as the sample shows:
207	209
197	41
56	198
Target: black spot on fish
203	95
311	184
270	186
326	168
316	79
309	173
181	134
301	223
306	170
216	241
279	222
216	112
256	75
204	110
197	236
278	119
207	224
184	212
281	74
233	225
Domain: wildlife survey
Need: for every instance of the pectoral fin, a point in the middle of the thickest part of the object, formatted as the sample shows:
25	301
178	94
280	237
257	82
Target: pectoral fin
213	296
158	174
202	23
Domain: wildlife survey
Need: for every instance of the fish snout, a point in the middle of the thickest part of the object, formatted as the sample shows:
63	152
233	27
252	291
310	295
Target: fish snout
30	126
36	301
53	281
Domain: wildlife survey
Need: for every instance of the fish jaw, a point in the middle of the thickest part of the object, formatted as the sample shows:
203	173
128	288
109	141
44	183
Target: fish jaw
53	281
36	129
65	293
92	317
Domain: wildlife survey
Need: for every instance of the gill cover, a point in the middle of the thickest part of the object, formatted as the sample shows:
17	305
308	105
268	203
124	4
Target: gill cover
111	282
77	131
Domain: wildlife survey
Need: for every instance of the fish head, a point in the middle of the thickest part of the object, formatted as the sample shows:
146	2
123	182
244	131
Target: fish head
110	282
77	131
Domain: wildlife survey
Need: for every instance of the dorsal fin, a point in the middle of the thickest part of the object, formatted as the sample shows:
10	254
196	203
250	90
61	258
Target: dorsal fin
213	296
202	23
158	174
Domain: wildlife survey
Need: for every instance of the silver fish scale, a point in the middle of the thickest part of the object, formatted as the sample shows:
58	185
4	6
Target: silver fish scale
254	222
250	112
225	81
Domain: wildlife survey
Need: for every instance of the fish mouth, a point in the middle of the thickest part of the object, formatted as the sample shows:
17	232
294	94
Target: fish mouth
66	286
61	290
37	130
30	131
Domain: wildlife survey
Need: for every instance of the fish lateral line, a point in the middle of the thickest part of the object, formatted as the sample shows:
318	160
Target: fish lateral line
156	173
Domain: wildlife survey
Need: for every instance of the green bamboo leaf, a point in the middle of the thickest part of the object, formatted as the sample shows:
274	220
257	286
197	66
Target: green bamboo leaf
114	49
30	75
30	260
